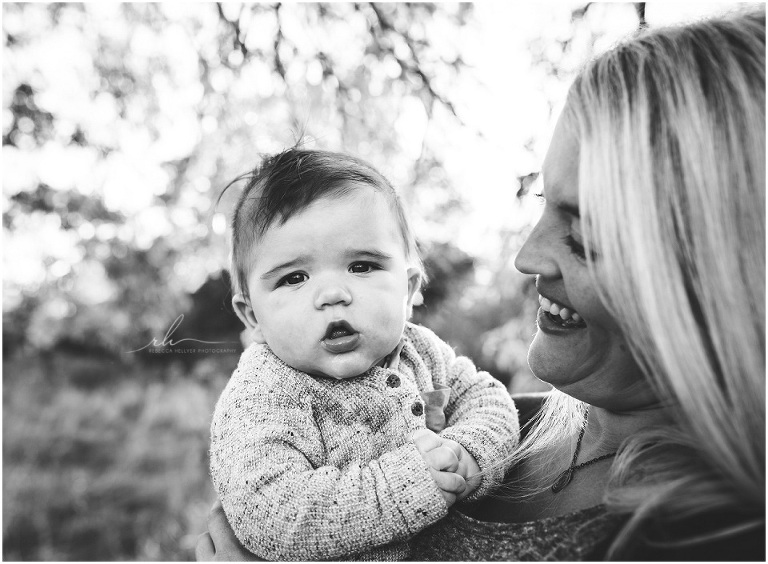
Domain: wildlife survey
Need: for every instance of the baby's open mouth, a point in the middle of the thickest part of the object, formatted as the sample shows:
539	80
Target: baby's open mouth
338	329
340	337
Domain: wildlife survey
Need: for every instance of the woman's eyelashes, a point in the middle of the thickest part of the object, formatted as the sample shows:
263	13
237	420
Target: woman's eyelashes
575	247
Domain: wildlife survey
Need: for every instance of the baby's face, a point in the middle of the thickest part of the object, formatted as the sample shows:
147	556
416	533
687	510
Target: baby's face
331	288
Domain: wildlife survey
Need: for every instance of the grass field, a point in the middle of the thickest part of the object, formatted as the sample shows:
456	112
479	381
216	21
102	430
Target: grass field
104	461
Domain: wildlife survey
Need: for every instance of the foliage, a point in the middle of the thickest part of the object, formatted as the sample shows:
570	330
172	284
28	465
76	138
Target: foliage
122	122
104	461
157	110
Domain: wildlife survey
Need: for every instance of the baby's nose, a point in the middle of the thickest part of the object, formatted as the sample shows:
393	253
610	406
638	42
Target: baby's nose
332	294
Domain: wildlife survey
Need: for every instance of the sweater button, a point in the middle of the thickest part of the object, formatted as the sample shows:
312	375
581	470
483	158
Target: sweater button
417	408
393	381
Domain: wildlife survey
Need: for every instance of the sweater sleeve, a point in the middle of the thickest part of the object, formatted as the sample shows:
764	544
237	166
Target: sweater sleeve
283	504
481	417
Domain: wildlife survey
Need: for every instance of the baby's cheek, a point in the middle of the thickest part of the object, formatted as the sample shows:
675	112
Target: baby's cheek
389	319
289	328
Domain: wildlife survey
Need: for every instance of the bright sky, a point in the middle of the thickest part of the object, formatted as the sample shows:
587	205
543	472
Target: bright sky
510	108
504	97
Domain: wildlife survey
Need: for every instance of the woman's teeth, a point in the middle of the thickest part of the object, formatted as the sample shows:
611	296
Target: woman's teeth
556	310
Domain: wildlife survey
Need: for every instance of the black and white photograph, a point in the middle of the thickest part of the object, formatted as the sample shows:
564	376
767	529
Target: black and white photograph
384	281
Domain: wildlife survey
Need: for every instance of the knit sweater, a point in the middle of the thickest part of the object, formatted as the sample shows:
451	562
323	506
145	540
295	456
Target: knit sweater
312	468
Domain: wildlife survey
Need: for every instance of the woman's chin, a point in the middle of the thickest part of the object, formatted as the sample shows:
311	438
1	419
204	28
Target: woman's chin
556	361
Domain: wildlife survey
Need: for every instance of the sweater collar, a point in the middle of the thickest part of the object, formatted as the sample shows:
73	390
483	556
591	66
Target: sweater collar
393	360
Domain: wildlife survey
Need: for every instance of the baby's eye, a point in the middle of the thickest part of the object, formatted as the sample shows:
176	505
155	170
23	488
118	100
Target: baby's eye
293	279
362	267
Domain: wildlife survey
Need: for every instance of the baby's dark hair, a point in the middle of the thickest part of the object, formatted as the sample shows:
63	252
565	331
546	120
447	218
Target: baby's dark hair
286	183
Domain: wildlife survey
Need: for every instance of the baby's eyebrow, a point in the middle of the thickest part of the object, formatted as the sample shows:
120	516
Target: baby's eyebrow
368	253
282	266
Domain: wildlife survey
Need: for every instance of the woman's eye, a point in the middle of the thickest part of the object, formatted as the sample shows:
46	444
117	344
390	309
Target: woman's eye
576	247
362	267
293	279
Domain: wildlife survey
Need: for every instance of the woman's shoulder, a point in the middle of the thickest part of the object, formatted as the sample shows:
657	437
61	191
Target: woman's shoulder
689	540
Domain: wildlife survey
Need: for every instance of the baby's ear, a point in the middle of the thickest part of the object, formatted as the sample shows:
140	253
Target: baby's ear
414	289
246	314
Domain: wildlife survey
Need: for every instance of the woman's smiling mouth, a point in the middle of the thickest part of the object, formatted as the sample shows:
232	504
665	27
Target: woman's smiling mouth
559	315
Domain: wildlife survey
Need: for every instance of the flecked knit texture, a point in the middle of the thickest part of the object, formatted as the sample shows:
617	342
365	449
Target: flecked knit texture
570	537
312	468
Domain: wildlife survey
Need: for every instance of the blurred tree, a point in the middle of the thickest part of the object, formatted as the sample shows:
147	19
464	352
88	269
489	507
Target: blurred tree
122	122
119	152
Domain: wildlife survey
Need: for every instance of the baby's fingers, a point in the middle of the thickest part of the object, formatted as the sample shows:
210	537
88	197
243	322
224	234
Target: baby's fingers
425	440
442	458
448	481
454	446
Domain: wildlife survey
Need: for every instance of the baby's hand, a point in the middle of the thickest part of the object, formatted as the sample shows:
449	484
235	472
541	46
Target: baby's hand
467	468
443	462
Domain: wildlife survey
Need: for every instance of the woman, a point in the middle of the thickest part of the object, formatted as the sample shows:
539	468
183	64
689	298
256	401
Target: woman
650	263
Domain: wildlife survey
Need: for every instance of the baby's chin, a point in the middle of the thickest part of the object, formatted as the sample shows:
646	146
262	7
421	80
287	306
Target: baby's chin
345	368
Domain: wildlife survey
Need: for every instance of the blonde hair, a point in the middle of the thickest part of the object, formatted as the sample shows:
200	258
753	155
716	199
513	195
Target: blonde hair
671	126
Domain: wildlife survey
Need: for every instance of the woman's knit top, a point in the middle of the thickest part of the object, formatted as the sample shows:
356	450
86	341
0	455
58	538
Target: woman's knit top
569	537
311	468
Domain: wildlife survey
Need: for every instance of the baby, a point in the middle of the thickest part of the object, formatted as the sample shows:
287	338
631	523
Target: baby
319	446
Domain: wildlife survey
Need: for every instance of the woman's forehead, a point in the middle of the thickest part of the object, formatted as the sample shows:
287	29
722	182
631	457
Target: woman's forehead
560	171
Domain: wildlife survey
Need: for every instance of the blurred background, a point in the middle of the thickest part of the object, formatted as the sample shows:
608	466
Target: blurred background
122	123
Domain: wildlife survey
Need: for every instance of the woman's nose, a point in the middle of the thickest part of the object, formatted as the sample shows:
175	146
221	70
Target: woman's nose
332	294
537	256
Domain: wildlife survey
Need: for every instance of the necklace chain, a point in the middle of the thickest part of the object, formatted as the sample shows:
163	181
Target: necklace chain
566	476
